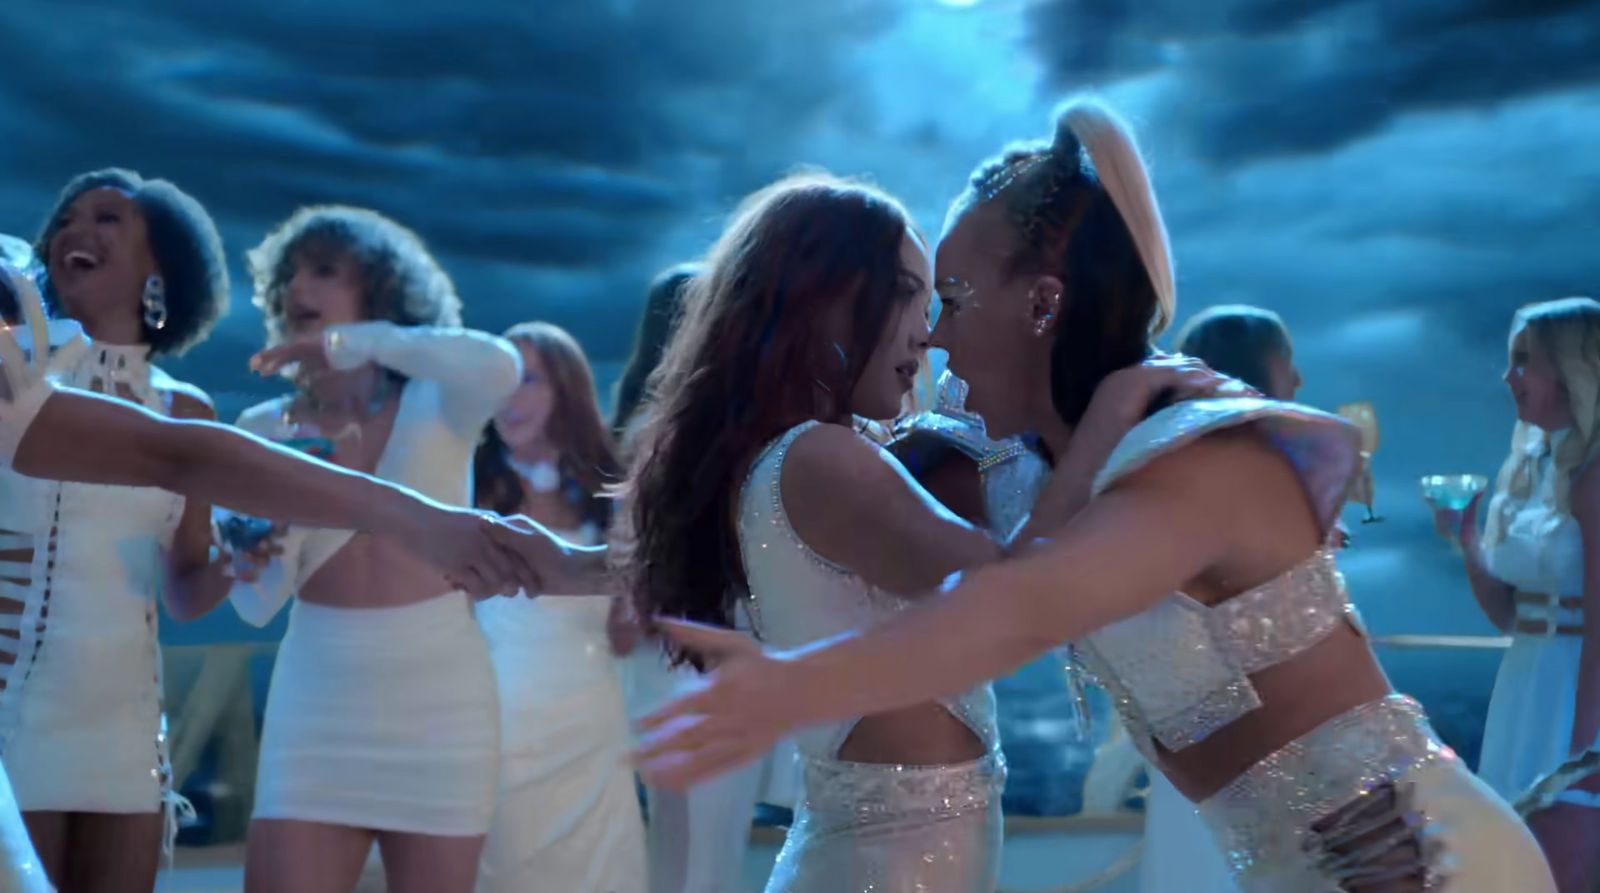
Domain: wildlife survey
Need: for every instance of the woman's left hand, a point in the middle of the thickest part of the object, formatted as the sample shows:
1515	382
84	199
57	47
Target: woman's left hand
1125	397
308	352
738	717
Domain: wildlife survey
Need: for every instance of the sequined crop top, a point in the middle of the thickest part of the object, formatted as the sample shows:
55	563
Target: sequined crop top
1181	670
1012	473
798	597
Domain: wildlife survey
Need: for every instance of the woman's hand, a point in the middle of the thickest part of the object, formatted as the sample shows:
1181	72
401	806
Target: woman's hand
307	352
246	565
467	547
622	627
1125	397
1460	526
739	716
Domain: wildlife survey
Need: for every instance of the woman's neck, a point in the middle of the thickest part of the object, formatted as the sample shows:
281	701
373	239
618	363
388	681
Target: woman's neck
117	329
532	452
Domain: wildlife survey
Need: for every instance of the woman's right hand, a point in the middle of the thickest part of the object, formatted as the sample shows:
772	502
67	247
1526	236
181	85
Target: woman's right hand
1461	526
247	564
464	545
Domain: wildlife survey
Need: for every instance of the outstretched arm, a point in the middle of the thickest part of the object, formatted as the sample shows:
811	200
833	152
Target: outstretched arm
1150	535
78	436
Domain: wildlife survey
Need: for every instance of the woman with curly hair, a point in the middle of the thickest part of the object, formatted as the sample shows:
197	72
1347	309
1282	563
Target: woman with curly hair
381	721
136	269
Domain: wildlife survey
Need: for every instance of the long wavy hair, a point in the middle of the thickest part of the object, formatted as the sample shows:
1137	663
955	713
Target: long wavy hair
1082	210
588	463
1568	332
750	359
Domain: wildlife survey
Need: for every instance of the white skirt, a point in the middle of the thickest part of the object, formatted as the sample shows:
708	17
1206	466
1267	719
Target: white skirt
567	816
1528	731
382	718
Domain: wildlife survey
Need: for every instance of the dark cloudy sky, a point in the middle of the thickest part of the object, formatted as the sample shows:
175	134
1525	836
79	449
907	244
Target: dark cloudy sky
1394	176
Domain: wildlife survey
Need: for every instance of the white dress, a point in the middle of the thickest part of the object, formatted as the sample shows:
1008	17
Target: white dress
1528	731
567	814
81	721
863	827
25	390
696	840
387	718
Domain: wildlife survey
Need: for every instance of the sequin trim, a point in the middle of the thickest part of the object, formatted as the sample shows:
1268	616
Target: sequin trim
879	789
1263	820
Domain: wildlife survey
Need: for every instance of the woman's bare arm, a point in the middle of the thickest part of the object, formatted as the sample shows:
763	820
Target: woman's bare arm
78	436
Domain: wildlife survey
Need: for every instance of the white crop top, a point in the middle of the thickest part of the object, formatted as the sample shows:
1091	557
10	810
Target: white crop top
456	380
1180	670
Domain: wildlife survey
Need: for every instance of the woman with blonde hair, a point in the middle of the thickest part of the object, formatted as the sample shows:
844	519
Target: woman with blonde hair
567	815
1530	576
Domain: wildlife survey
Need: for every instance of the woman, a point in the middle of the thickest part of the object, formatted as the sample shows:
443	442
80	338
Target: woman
381	720
696	839
1249	343
60	433
1529	576
751	477
1252	344
136	267
1238	713
567	815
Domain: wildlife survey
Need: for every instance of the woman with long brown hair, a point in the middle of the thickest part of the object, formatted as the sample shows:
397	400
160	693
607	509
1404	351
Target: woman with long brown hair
566	816
752	488
1199	583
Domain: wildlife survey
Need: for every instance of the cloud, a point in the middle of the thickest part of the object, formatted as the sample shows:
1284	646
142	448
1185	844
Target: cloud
1261	78
557	140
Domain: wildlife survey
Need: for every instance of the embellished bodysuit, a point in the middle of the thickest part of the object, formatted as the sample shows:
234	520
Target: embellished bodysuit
863	826
1368	796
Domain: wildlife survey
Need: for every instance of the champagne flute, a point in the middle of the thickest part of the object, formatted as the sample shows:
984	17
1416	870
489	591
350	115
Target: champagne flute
1365	418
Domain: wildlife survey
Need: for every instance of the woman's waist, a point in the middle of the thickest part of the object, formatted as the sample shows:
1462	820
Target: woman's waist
1295	698
368	572
355	622
866	790
1543	614
1269	812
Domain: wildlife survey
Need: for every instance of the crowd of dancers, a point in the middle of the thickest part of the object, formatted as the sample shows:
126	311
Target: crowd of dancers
811	580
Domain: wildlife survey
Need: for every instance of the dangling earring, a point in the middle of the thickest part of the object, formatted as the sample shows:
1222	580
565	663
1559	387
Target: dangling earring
154	301
1043	325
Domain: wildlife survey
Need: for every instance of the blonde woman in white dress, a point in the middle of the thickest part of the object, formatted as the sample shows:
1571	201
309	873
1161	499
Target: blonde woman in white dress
1530	577
567	813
